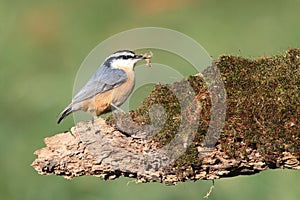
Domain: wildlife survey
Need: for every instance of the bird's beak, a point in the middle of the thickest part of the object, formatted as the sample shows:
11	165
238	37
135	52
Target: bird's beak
139	57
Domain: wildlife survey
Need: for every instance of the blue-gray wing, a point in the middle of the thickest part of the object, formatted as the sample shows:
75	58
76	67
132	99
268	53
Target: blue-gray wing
104	79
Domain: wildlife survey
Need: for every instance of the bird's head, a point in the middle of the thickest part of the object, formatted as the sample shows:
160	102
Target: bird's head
123	59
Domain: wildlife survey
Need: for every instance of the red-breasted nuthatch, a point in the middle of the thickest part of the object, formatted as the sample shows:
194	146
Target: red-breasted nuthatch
108	87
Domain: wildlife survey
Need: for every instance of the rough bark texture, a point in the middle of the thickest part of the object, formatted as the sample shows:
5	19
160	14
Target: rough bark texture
261	131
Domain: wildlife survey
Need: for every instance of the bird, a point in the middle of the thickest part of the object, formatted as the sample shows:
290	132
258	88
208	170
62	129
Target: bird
108	87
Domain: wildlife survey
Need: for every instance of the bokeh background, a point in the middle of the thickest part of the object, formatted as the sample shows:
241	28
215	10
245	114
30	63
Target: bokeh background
43	43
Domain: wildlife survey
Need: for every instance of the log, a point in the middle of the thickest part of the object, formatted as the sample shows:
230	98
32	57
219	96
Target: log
198	128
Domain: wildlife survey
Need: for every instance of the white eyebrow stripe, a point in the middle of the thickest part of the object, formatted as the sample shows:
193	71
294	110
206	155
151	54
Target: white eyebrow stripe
120	53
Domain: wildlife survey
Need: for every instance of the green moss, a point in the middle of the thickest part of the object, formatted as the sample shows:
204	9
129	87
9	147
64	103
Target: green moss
263	106
263	109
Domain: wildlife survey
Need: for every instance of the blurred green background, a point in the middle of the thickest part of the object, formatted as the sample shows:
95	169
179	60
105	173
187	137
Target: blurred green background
42	44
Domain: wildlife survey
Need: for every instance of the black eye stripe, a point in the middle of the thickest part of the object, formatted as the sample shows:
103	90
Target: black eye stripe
126	56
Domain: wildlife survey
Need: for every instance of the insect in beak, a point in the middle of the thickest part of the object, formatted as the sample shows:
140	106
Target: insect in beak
147	57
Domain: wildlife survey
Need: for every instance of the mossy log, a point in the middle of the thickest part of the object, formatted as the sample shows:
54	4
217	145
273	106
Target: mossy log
261	129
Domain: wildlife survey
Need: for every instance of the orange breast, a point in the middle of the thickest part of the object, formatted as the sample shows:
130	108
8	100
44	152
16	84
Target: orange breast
101	103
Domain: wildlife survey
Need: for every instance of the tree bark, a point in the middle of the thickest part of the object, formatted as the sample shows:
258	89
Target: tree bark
260	131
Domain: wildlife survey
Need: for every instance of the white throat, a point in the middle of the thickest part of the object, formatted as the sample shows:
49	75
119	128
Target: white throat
130	63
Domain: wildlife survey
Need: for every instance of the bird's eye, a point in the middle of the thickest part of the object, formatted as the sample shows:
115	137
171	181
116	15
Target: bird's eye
126	57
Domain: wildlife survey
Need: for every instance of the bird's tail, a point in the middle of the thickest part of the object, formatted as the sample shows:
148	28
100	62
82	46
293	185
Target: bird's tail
65	113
